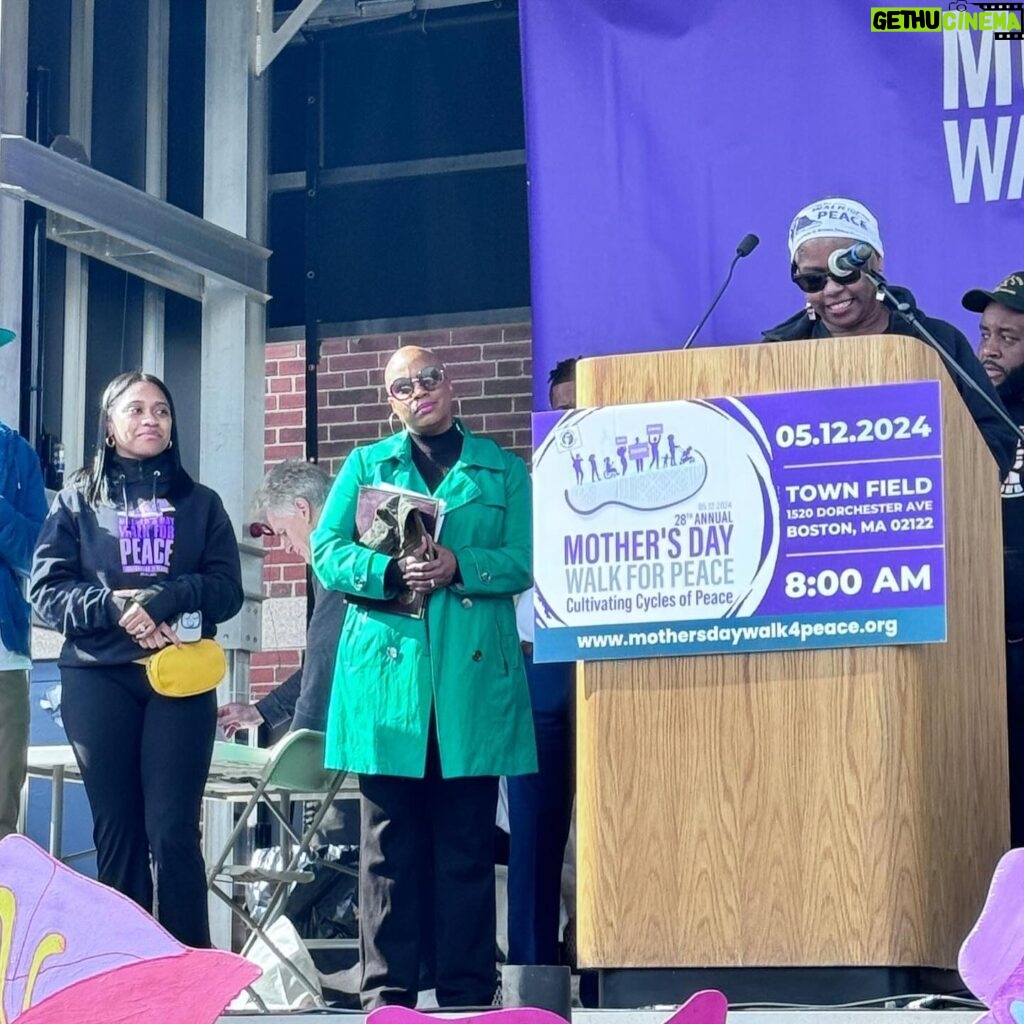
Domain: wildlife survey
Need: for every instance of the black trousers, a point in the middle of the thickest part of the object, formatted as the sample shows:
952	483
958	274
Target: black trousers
1015	715
144	760
447	827
539	815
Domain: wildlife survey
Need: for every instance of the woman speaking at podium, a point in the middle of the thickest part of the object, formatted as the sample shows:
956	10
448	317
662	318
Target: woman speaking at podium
845	304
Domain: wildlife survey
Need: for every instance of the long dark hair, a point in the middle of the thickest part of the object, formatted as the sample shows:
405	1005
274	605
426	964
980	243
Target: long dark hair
92	479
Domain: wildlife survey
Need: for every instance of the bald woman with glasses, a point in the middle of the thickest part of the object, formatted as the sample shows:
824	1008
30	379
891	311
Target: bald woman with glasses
430	711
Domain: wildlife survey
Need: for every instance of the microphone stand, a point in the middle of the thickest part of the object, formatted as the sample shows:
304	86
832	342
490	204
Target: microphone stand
714	302
906	312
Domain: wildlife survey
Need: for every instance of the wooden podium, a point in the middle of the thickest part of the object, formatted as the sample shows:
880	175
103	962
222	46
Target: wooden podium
803	808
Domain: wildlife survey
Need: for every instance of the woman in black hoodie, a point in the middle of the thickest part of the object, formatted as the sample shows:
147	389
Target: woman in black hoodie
129	545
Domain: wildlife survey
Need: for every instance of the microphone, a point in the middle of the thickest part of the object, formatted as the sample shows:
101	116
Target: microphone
748	244
846	263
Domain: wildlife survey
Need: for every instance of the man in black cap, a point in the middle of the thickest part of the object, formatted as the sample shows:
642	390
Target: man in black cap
1002	355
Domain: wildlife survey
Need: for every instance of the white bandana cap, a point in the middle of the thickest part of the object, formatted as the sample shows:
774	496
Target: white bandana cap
834	218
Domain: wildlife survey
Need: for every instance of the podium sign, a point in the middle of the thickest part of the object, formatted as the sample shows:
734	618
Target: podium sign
807	519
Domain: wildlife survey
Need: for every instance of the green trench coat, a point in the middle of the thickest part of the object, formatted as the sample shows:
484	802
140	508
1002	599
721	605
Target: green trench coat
388	675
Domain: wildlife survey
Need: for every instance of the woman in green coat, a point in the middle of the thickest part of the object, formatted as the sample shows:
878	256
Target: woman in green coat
430	711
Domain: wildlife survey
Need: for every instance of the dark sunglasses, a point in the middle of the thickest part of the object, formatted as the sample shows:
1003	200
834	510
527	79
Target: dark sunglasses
429	378
812	281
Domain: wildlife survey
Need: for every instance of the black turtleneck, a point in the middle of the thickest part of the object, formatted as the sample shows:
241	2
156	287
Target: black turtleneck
435	454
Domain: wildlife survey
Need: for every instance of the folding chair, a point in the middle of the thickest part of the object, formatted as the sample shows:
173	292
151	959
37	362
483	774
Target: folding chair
292	769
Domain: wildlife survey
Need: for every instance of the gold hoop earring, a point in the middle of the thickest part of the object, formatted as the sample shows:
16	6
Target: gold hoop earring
170	445
458	407
110	442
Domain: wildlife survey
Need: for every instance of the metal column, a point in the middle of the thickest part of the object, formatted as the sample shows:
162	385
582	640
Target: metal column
76	275
156	171
234	197
234	329
13	86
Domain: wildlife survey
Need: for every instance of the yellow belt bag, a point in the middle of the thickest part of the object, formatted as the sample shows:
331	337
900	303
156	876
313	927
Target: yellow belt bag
187	670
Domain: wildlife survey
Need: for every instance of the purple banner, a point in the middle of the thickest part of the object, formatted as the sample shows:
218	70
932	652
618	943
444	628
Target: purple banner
660	132
807	519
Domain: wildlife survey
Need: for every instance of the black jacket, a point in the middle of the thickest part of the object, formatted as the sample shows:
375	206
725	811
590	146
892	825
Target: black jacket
303	697
161	533
1012	393
1000	439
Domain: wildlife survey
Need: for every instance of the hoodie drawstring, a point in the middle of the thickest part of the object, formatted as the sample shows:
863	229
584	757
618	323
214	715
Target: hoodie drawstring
122	478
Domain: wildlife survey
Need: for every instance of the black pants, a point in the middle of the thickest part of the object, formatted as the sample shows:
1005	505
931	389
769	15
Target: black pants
539	815
1015	715
448	823
144	761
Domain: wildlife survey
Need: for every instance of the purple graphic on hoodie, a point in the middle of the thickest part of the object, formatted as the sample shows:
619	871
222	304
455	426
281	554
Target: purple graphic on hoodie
146	534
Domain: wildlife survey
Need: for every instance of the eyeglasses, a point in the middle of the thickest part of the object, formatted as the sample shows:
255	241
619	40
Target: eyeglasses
812	281
429	378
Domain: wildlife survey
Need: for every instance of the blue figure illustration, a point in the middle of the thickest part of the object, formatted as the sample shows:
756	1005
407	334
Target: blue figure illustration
655	441
664	461
672	448
609	469
577	464
686	455
621	452
638	451
594	472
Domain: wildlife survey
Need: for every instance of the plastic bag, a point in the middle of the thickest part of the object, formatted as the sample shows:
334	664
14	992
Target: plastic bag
327	907
50	701
278	987
257	894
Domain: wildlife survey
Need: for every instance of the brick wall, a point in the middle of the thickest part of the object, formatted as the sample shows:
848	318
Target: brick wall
490	368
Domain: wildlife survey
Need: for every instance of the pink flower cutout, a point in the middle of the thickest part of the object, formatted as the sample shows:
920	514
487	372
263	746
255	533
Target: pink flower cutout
73	949
991	958
707	1007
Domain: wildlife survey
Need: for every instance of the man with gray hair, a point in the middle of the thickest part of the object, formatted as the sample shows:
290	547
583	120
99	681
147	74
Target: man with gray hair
289	502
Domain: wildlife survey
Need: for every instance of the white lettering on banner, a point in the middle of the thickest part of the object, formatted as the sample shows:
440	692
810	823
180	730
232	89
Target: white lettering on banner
824	491
990	148
979	69
989	159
